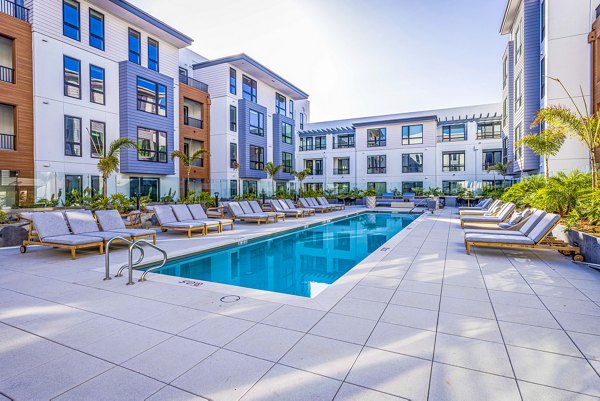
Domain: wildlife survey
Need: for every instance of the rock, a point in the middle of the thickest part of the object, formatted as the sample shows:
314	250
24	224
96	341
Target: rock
11	235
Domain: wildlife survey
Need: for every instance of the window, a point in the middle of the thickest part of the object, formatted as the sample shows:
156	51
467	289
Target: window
183	74
96	29
343	141
233	188
505	112
313	186
232	81
306	143
504	71
453	161
257	123
153	54
250	187
248	88
191	146
71	22
341	187
412	187
518	93
7	72
286	160
376	137
542	78
152	145
257	158
286	133
280	102
518	42
412	134
315	166
491	130
490	184
379	187
7	127
72	77
151	97
95	185
232	118
233	155
453	133
491	158
412	162
376	164
97	139
192	113
320	142
341	166
73	183
518	136
145	186
505	150
301	120
96	84
542	21
135	47
291	108
452	188
72	136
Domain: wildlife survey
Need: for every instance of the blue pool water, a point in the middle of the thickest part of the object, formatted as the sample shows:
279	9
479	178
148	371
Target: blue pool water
302	262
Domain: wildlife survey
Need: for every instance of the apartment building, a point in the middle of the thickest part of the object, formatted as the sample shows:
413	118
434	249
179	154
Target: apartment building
255	114
16	106
448	148
546	38
104	69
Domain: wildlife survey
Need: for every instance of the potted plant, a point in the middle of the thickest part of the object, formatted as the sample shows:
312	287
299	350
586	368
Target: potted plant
371	199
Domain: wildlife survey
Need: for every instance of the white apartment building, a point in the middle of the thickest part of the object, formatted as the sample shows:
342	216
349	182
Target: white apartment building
446	148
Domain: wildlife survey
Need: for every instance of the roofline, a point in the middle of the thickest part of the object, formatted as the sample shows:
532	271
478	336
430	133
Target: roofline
503	29
152	20
396	121
250	60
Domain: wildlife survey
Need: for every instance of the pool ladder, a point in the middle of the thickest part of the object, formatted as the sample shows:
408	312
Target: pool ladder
137	244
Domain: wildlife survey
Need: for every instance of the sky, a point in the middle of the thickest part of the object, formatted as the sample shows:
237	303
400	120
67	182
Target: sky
356	58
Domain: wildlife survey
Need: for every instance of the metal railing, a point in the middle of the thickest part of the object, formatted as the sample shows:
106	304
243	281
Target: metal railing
137	244
192	122
489	135
15	10
107	257
341	171
7	74
194	83
343	145
7	142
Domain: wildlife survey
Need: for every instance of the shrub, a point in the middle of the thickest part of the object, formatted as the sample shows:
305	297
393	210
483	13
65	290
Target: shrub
201	197
3	217
523	193
121	202
562	192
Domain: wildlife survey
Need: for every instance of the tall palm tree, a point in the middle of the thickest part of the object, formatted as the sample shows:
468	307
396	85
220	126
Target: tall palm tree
188	162
301	176
547	143
109	163
271	169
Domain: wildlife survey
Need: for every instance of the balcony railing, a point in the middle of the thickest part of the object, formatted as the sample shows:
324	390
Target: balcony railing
7	74
192	122
193	83
15	10
7	142
343	145
376	170
489	135
341	171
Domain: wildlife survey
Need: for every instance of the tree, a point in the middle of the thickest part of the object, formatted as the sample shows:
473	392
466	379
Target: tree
109	163
272	170
188	162
583	125
547	143
301	175
503	169
236	167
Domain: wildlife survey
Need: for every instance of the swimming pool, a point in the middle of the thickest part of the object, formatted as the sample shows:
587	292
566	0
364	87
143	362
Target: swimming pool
300	262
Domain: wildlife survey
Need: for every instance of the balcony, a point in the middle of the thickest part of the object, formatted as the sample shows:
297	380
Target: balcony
489	135
376	170
192	122
7	74
343	145
7	142
14	10
341	171
192	82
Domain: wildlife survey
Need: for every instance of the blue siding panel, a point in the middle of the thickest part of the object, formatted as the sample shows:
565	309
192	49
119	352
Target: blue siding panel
510	89
246	139
279	146
531	76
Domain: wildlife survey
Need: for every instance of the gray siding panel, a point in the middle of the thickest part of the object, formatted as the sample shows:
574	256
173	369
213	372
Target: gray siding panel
531	76
246	139
279	146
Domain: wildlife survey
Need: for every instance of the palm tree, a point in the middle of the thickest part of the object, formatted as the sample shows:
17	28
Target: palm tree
584	125
109	163
301	175
188	162
547	143
503	169
272	170
236	167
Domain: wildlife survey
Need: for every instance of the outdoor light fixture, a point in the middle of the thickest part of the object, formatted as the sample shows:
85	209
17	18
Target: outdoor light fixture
216	199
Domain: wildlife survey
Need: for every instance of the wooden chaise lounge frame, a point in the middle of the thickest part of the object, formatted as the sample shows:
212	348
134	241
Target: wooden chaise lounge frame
34	239
258	220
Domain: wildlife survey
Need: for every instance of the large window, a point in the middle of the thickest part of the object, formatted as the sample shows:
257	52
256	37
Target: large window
7	127
152	145
379	187
492	130
72	136
491	157
72	77
257	158
96	84
191	146
453	133
505	112
153	55
192	113
504	71
280	102
453	161
376	137
518	93
250	187
96	29
95	184
301	120
135	46
543	78
151	97
341	165
412	134
542	21
412	187
320	142
307	143
518	41
452	188
233	189
286	161
343	141
291	108
71	21
232	118
518	136
232	81
145	186
313	186
257	123
376	164
73	183
97	139
233	155
286	133
412	162
314	165
248	88
341	187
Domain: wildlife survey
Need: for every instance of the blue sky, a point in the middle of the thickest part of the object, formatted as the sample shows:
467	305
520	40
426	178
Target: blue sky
357	57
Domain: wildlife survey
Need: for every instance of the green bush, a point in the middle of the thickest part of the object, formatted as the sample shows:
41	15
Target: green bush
121	202
201	197
523	193
587	210
3	217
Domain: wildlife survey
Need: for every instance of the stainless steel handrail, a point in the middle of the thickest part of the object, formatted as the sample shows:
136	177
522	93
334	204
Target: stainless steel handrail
131	264
107	257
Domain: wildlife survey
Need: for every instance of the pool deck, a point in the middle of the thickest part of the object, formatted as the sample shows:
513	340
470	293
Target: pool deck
418	319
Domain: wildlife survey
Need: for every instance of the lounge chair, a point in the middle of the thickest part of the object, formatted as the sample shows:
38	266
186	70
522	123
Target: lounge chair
536	239
82	222
237	213
323	202
110	220
522	227
503	214
483	204
168	221
314	203
52	230
257	209
282	207
309	205
492	208
200	215
290	206
184	216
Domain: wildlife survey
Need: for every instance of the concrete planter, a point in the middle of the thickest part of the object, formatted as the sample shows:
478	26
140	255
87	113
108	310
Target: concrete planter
589	244
371	201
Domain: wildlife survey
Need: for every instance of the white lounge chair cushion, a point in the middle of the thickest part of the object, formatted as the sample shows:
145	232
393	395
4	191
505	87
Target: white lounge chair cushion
197	211
72	239
184	224
491	232
255	207
134	232
105	235
50	224
207	222
235	208
246	207
532	222
481	219
81	221
164	214
545	224
110	220
182	212
499	239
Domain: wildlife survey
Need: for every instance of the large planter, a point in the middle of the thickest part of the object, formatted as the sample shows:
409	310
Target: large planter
371	201
588	244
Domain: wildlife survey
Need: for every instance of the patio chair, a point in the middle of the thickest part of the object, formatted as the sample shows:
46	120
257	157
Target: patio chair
83	223
110	220
492	208
313	203
282	207
184	216
52	230
323	202
536	239
307	210
307	205
483	204
199	214
237	213
168	221
522	227
257	209
503	214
